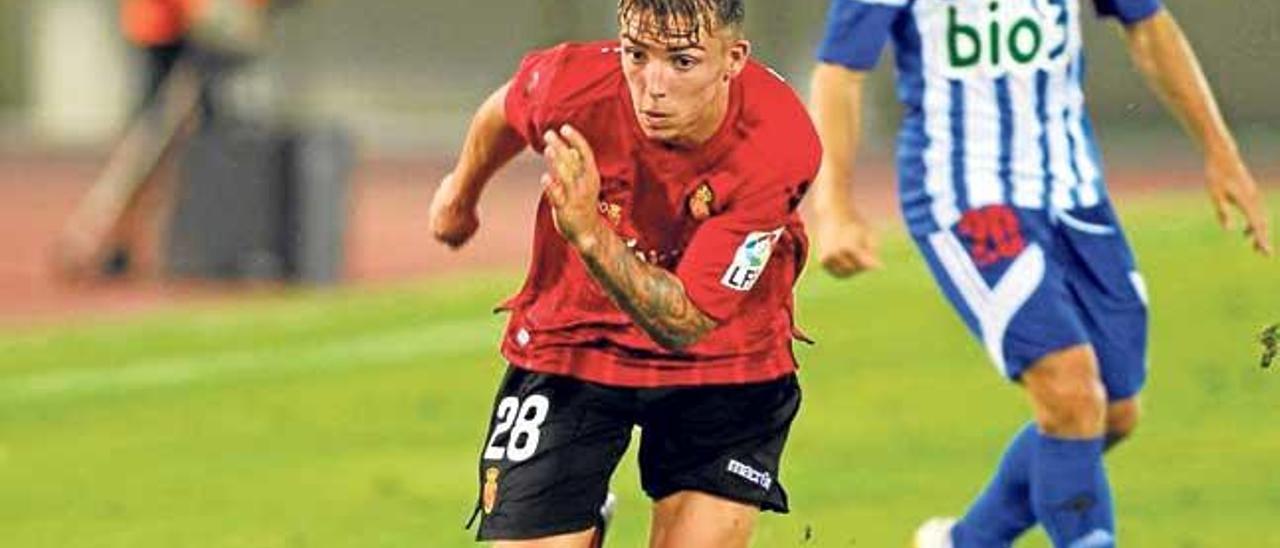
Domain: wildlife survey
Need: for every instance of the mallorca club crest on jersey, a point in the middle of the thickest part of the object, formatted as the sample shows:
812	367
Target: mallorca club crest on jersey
701	201
992	38
750	259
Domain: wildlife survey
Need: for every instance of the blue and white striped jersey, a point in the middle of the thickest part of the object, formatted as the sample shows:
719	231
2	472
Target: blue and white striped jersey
993	89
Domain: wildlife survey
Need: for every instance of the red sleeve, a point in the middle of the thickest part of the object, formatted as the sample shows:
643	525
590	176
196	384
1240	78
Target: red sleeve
730	251
529	94
742	242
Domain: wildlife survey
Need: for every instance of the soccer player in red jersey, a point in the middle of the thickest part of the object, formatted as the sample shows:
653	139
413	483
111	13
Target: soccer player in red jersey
660	291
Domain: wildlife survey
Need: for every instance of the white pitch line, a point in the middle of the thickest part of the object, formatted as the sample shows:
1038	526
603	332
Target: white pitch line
420	342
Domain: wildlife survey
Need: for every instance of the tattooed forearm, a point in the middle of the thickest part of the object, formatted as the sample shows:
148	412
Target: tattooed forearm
653	297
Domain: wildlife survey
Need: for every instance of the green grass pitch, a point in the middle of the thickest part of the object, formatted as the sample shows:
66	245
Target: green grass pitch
354	418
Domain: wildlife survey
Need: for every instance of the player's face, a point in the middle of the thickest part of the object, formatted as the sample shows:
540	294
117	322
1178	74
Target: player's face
680	83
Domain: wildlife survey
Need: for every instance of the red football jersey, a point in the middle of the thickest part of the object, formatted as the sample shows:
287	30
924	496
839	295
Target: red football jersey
738	257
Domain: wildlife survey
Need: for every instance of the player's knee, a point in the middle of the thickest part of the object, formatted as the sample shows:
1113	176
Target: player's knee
1074	409
691	519
1067	394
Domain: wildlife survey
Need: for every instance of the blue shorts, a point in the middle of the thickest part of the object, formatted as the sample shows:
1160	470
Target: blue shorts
1032	282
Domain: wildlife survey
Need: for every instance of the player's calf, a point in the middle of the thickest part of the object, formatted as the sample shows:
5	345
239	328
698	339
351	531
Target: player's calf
1070	494
1122	419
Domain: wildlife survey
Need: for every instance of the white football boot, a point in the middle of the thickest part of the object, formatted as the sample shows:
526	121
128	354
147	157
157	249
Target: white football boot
935	533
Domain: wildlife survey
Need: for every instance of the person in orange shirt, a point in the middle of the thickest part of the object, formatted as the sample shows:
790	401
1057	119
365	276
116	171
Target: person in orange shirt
158	28
209	37
167	30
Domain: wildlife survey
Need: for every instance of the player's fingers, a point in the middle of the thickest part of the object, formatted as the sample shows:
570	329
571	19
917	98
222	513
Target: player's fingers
837	270
1248	201
549	156
559	156
1221	210
868	251
553	189
868	258
840	264
456	240
1262	240
1250	204
453	232
563	160
1259	229
579	143
554	145
552	185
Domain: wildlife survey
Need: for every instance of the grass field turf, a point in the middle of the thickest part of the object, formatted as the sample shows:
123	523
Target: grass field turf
354	418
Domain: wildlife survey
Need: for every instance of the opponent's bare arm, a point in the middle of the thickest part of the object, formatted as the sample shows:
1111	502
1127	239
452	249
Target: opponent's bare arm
654	298
490	143
1165	58
846	245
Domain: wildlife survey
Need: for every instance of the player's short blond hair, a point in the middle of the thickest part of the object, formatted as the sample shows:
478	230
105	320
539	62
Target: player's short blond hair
683	18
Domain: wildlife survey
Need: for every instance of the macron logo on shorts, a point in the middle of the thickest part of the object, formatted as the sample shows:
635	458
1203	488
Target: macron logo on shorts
763	479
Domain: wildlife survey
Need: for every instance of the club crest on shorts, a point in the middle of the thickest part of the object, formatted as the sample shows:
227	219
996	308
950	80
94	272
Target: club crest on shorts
750	259
489	496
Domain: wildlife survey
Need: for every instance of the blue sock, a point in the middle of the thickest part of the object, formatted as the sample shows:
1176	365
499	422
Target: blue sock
1069	492
1003	511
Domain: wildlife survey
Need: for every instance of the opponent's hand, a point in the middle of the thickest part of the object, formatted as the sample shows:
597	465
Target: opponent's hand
453	217
1231	186
846	245
572	184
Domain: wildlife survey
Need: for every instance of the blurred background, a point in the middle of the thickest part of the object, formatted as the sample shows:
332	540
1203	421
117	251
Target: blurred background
157	402
399	84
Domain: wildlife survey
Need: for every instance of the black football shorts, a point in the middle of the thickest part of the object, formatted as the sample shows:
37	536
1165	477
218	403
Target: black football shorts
554	441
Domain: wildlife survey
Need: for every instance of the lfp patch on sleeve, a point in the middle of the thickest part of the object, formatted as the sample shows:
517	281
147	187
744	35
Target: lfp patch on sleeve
750	259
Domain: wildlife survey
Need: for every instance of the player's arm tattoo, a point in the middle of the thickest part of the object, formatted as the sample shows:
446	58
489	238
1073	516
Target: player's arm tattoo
653	297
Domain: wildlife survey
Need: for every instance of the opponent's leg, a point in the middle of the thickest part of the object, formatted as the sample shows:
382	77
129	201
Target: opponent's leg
1012	301
1069	404
1002	512
1110	296
1091	293
1070	494
1004	506
1019	304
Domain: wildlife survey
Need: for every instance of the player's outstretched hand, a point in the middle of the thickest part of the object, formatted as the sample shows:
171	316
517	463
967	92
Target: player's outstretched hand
847	245
1232	186
453	217
572	182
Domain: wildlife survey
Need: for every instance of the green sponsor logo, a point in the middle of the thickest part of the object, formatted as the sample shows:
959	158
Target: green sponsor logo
998	41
